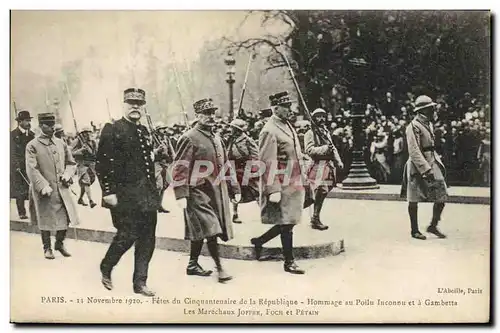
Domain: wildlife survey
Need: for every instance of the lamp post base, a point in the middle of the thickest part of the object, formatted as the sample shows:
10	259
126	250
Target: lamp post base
359	178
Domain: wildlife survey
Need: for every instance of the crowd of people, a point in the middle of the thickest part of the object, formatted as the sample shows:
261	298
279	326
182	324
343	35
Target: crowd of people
462	131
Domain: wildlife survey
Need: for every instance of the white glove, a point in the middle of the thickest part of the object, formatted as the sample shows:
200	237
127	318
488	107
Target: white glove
65	178
340	165
275	197
237	198
47	190
111	200
164	200
182	202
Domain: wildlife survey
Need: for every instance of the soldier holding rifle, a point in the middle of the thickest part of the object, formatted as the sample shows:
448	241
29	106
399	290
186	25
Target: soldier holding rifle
326	158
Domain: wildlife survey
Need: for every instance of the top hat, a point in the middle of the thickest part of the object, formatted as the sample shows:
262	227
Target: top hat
203	105
134	94
282	98
239	124
423	102
266	112
23	115
318	111
46	118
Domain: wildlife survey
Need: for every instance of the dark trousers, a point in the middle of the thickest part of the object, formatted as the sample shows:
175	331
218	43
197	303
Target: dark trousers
47	244
21	210
133	227
285	231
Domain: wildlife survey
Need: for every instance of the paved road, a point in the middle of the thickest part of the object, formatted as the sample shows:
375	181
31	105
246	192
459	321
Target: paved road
380	262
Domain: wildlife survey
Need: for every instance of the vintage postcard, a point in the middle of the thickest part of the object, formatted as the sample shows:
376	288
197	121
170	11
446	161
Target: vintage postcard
261	166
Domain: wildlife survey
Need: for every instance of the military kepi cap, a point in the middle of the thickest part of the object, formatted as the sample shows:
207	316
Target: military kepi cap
203	105
134	94
282	98
46	118
23	115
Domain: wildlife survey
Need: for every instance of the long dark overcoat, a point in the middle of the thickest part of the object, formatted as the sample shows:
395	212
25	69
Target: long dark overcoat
242	150
208	203
18	141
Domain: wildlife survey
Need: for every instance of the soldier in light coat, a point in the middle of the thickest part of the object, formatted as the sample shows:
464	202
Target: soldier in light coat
282	191
50	168
322	172
424	175
201	191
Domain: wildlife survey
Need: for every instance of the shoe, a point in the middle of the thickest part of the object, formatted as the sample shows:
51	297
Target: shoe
316	224
196	269
236	219
435	231
418	235
63	250
106	280
144	291
23	217
161	210
293	268
81	202
92	204
223	276
258	247
49	254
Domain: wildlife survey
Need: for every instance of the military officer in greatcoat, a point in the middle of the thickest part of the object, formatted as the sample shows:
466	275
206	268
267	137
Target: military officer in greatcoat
282	183
19	138
424	174
201	189
50	168
241	150
125	169
325	160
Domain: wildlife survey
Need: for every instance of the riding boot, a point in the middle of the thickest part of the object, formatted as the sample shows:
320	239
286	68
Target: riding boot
318	204
193	267
59	246
287	243
413	212
213	248
437	209
47	246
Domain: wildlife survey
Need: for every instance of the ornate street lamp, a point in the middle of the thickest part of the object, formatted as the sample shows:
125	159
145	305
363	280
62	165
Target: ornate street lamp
358	178
230	62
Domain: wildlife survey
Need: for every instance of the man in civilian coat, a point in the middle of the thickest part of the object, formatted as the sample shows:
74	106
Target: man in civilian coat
282	191
125	169
50	168
19	138
322	172
424	174
198	171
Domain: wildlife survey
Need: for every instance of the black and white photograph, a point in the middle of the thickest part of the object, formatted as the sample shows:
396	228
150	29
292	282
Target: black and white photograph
250	166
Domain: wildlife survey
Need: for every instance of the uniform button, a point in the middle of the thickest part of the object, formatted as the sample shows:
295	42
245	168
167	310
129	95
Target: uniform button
144	151
219	165
218	155
142	146
147	170
147	163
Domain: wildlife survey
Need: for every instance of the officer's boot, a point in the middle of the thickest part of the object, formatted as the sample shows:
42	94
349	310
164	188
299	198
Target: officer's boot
437	209
193	267
413	212
59	246
287	243
236	218
82	193
318	204
213	248
47	246
258	242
